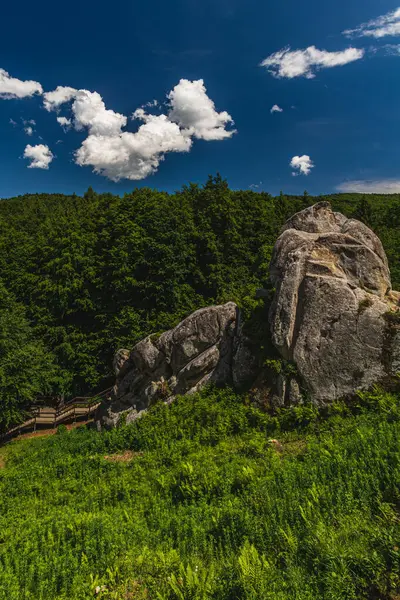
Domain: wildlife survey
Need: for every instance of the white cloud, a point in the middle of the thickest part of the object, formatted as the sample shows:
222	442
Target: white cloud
133	156
15	88
13	123
40	156
90	111
64	122
53	100
28	126
119	154
275	109
255	186
303	164
391	49
378	186
303	63
195	112
151	104
388	24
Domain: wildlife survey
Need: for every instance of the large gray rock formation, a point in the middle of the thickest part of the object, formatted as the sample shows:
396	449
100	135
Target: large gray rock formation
333	313
197	351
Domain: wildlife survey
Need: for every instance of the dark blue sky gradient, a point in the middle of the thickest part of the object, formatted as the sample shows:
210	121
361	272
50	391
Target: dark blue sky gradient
347	118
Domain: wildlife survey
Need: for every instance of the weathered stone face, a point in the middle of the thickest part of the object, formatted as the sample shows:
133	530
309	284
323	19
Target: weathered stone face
180	361
333	290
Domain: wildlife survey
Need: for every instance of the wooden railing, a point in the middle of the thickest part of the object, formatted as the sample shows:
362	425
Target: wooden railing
50	417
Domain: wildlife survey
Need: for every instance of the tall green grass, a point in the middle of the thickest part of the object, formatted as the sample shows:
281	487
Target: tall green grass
208	507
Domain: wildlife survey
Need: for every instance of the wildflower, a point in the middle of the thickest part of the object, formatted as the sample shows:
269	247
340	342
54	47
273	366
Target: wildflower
100	588
277	445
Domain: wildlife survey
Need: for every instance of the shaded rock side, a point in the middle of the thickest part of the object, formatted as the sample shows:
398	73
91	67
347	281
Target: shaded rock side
180	361
333	295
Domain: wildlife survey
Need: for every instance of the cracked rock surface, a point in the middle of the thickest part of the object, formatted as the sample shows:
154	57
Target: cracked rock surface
333	295
180	361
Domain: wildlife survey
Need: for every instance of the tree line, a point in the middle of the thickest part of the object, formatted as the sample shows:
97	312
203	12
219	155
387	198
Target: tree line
81	277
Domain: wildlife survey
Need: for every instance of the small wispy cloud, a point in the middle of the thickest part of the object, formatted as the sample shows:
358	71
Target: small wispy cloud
255	186
371	186
151	104
386	25
64	122
301	164
289	63
29	125
391	49
276	109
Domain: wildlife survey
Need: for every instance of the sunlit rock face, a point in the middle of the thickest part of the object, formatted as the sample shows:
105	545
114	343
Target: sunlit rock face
332	306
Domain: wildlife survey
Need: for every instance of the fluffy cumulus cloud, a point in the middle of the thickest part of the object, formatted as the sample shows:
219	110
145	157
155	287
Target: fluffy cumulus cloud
302	165
10	87
133	155
387	25
90	112
194	112
275	109
62	94
119	154
40	156
377	186
28	130
303	63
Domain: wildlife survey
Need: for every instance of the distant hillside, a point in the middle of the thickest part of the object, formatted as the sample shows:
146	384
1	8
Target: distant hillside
83	276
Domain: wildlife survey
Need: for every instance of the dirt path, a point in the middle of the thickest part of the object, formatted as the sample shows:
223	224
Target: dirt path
47	432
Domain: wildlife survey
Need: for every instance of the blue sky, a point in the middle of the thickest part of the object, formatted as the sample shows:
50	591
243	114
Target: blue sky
345	119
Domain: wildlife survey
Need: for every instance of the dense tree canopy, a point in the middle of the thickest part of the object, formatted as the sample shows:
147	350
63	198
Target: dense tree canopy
26	367
98	272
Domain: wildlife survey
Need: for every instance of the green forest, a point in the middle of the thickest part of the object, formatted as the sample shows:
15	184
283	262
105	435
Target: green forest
81	277
212	497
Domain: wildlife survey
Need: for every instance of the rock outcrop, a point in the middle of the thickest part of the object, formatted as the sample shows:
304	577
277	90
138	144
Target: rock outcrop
334	310
197	351
334	320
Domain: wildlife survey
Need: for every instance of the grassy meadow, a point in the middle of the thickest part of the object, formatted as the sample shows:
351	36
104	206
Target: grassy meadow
197	501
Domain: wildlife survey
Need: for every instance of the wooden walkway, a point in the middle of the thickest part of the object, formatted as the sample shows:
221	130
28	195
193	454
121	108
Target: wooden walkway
79	408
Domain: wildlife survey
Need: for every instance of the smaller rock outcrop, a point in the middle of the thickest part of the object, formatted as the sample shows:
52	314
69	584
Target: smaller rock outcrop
180	361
